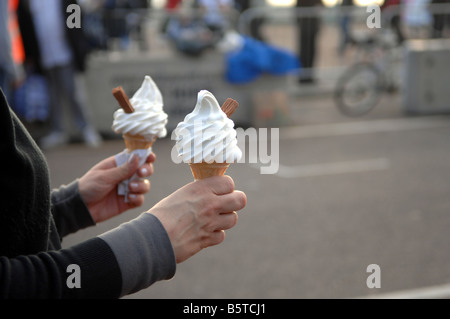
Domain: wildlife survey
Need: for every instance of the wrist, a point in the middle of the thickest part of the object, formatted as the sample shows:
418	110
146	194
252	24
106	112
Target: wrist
143	251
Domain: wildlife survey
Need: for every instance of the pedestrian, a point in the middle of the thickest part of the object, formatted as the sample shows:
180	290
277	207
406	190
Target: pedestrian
189	34
416	16
11	73
122	261
439	20
308	29
345	24
215	15
59	52
255	24
395	19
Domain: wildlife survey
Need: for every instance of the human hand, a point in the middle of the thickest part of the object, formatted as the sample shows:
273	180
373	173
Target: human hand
196	215
98	187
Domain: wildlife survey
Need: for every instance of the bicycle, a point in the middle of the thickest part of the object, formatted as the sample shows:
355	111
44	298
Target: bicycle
360	87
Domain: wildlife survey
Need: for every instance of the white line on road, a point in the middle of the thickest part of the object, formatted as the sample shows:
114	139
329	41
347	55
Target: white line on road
335	168
433	292
364	127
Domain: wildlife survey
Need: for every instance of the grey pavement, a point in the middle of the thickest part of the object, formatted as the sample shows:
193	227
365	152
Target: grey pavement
349	193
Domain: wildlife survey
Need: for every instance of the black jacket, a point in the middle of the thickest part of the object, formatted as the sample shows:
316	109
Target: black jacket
33	220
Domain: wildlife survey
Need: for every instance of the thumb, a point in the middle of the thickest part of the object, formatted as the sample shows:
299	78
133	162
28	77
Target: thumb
126	170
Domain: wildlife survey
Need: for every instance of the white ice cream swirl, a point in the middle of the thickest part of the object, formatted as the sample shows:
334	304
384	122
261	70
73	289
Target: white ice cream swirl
207	134
148	119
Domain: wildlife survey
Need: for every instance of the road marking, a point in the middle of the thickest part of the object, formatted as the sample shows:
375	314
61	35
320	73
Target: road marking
364	127
335	168
432	292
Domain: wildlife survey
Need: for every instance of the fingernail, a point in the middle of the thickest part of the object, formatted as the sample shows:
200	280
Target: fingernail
134	185
144	171
132	196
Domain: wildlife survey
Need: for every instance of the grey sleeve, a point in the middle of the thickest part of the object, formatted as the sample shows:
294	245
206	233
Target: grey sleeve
143	251
69	211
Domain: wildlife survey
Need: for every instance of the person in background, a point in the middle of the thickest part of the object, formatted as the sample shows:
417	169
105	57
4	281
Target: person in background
123	19
59	52
255	24
172	4
395	20
11	73
215	15
439	20
345	22
189	34
308	29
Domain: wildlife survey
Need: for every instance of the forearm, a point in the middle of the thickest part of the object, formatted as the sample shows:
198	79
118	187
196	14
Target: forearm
122	261
69	210
45	275
143	251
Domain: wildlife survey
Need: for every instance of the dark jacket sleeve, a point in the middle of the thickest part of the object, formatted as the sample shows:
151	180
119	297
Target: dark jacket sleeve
48	275
122	261
69	210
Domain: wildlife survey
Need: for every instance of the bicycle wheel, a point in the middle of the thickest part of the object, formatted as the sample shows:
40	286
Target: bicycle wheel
359	89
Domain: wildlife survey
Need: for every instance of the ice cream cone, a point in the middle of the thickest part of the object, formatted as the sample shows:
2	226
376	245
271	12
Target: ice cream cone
137	142
204	170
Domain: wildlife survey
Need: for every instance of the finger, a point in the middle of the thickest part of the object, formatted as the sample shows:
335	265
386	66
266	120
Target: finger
135	200
119	173
145	170
220	184
231	202
107	163
151	158
227	220
131	201
128	169
139	186
213	239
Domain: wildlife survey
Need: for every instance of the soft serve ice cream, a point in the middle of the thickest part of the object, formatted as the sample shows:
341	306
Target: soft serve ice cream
140	121
148	119
207	135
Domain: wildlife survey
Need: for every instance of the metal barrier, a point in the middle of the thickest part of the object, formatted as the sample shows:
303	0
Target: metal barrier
334	56
330	56
180	77
141	26
439	12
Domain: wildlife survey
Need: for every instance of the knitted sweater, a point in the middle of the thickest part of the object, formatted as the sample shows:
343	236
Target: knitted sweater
33	219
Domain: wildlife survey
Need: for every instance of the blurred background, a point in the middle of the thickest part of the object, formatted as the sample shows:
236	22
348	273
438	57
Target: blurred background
359	92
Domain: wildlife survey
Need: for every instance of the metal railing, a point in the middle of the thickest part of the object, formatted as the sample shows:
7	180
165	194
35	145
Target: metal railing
143	31
332	59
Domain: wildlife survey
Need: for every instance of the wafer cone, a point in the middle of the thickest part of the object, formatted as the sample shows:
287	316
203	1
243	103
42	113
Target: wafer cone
137	142
204	170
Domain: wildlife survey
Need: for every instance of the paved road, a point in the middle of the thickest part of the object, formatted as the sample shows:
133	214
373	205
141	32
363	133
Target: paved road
348	193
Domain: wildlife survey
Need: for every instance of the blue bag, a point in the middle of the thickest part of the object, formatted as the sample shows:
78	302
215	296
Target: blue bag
255	58
31	99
